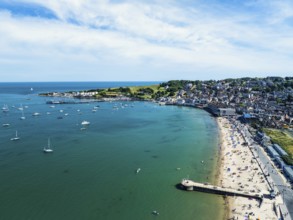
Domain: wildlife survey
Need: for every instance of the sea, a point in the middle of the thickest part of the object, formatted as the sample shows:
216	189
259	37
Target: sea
126	164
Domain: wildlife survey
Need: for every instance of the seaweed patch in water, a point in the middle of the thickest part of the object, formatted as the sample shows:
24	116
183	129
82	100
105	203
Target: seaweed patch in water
66	171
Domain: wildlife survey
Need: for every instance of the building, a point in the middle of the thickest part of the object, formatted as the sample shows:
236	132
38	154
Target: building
289	172
221	111
279	150
274	154
280	163
180	101
227	111
262	139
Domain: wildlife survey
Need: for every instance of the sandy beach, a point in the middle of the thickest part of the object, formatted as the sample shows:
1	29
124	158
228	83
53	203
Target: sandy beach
239	170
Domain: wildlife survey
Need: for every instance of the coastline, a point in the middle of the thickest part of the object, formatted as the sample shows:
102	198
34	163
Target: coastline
220	165
238	170
239	207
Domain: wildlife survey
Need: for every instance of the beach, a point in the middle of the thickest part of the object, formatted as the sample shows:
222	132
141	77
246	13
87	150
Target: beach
239	170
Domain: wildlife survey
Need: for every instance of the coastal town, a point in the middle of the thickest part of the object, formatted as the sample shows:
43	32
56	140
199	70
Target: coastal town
249	112
267	101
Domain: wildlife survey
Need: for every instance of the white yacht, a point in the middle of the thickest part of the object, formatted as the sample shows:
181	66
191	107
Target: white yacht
36	114
15	138
85	123
48	149
5	125
138	170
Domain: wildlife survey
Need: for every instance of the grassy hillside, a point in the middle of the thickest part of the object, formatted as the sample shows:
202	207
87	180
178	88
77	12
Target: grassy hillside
283	139
140	92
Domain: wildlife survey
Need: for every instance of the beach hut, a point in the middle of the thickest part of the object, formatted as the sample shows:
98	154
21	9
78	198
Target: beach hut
274	154
279	150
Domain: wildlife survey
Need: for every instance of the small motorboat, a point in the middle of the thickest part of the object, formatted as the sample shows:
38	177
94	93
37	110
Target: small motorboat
155	212
138	170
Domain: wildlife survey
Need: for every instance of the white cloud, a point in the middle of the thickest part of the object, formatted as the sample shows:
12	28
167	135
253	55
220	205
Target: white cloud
161	38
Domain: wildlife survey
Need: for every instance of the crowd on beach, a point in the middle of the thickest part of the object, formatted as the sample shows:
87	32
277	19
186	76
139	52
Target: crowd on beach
239	170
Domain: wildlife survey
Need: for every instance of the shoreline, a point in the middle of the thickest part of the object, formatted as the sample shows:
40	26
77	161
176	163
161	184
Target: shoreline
220	165
238	170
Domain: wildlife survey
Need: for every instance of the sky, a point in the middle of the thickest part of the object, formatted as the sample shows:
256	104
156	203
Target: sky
144	40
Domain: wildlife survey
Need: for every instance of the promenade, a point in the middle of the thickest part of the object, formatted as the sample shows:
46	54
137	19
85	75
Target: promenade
274	178
240	170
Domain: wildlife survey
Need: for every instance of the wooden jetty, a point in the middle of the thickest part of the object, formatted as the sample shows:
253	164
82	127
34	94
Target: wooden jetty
190	185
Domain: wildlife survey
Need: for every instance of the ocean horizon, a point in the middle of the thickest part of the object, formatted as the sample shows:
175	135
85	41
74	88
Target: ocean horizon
39	87
92	173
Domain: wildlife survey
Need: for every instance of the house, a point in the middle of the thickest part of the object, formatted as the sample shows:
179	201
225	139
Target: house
227	111
180	101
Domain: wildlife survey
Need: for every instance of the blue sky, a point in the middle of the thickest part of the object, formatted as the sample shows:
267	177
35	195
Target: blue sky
109	40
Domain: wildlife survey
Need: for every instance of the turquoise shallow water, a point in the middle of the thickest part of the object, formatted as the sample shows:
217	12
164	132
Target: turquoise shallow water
91	174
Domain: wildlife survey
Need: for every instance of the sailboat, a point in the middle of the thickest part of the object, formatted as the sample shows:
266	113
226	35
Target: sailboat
48	148
20	108
5	108
22	116
15	138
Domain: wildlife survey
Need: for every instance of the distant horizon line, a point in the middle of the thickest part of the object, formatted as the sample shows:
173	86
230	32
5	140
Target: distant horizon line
77	81
141	80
